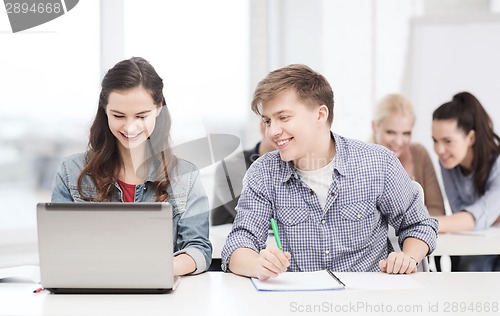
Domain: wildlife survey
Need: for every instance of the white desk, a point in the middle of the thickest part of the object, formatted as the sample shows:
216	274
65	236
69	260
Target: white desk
217	293
469	243
472	243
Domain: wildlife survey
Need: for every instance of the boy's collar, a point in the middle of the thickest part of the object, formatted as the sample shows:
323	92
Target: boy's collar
339	164
340	156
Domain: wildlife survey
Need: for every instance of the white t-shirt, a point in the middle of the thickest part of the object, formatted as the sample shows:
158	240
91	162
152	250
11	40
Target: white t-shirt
318	180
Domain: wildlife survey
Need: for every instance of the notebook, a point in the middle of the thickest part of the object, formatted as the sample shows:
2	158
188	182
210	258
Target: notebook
322	280
106	247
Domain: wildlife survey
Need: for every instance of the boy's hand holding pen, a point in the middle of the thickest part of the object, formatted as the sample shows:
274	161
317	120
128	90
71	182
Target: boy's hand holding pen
273	260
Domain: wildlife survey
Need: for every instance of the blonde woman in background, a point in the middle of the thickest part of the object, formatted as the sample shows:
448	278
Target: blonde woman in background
392	127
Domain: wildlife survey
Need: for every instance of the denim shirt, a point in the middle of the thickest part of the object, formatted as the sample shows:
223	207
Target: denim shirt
186	195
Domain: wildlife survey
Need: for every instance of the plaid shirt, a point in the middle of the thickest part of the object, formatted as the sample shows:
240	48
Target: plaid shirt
370	190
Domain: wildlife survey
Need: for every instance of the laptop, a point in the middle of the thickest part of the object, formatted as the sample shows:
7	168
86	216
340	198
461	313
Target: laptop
106	247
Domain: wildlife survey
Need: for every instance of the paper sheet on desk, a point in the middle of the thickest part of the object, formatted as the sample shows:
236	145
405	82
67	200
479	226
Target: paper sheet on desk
378	281
29	272
300	281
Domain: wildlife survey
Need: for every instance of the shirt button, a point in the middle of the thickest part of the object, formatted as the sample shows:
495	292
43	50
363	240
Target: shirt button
358	216
145	188
323	221
332	194
312	192
327	251
290	222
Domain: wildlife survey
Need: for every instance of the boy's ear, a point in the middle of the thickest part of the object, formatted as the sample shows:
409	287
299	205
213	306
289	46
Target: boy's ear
323	113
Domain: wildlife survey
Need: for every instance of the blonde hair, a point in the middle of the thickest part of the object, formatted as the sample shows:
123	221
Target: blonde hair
392	104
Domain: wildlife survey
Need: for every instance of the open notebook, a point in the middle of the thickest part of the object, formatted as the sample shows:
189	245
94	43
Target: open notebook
323	280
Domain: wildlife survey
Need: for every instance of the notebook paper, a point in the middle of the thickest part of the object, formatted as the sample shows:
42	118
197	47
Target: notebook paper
299	281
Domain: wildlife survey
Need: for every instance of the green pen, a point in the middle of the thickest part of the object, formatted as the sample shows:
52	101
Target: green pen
276	233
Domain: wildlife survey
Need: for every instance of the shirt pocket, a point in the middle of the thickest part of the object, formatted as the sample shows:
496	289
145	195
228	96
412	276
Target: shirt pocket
291	216
296	233
179	203
357	222
87	191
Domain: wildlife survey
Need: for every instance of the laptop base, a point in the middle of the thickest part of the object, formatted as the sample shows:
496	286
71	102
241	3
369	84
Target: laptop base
106	291
55	290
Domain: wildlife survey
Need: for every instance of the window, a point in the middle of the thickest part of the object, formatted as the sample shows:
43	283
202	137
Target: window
200	49
50	84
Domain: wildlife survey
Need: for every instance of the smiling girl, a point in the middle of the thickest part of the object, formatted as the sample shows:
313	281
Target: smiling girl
130	160
468	150
392	127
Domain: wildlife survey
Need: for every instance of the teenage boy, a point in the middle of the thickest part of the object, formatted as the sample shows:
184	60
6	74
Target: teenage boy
332	197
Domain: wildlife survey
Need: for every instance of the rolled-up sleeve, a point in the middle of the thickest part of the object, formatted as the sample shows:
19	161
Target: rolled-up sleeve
193	226
486	209
252	217
404	206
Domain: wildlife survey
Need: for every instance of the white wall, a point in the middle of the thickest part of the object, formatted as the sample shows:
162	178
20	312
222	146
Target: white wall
359	46
200	49
449	56
366	49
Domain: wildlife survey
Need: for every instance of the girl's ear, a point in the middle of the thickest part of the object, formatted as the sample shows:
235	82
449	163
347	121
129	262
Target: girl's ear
323	113
472	137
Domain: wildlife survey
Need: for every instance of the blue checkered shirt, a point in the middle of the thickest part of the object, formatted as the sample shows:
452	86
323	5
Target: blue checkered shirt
370	190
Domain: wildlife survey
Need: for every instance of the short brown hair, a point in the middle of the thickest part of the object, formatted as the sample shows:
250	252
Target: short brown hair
311	87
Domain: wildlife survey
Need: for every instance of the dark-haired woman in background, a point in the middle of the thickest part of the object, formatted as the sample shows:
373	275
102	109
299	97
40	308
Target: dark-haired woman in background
468	150
130	160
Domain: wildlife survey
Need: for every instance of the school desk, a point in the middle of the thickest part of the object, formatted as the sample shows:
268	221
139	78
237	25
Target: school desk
486	242
470	243
218	293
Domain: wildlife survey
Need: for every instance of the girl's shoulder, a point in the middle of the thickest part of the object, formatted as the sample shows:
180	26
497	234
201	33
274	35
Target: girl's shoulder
184	165
419	153
495	168
75	162
183	168
418	149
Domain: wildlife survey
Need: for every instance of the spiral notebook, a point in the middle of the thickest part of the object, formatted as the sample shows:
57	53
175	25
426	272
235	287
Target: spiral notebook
322	280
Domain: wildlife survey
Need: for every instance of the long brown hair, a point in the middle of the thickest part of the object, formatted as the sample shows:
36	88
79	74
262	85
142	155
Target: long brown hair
470	115
103	156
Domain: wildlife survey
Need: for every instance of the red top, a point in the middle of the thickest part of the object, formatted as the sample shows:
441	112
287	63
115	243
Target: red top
128	191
